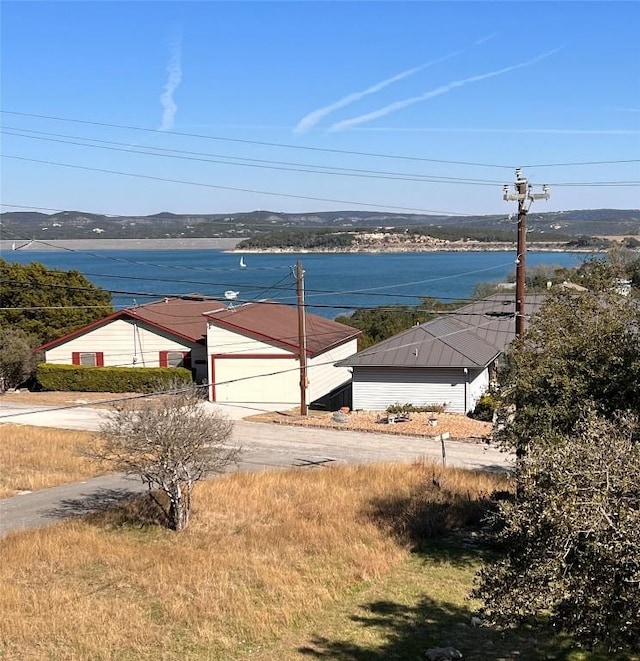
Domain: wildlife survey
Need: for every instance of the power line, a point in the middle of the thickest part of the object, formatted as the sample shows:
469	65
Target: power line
309	148
255	142
249	162
232	188
284	165
314	292
213	299
315	149
137	262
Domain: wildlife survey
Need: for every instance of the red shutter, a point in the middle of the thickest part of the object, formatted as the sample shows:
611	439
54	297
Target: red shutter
75	358
164	359
99	359
186	359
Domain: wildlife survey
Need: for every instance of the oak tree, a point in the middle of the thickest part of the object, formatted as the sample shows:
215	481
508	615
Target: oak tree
17	359
571	539
48	303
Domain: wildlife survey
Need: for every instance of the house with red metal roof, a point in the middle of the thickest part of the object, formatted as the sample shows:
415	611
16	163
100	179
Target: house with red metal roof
247	352
253	351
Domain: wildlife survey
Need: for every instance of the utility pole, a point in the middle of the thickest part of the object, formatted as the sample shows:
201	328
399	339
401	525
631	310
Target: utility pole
302	339
524	194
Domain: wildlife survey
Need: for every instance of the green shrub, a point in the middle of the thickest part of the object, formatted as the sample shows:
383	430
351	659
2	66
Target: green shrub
407	408
108	379
485	408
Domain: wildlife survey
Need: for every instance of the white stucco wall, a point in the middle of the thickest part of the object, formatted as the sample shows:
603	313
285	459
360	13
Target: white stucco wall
221	341
478	385
376	388
127	343
323	375
241	375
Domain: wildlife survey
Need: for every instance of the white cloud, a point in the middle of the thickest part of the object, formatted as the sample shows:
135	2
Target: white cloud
310	120
438	91
174	77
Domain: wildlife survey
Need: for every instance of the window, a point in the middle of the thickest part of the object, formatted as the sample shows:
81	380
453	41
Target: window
88	358
175	359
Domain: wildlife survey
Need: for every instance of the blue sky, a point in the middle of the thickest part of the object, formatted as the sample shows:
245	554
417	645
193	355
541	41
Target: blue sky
487	83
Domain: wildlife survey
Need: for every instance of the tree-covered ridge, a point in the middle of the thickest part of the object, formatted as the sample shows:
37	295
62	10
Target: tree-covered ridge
47	303
434	238
25	225
309	239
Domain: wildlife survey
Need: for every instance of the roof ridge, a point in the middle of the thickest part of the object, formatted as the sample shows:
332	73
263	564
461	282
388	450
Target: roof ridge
463	353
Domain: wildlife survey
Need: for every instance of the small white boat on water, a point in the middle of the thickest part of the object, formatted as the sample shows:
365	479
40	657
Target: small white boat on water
243	264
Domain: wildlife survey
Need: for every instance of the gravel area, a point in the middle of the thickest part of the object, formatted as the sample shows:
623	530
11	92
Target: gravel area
459	426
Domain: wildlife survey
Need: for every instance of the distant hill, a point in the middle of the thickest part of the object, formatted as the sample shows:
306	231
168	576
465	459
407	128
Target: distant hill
81	225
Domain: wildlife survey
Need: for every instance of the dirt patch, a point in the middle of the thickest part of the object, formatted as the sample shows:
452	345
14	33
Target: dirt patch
419	424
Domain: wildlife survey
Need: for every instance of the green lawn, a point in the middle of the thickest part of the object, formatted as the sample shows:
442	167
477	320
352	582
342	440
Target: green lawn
423	604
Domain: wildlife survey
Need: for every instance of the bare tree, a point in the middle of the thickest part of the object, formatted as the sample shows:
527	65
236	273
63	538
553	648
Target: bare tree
170	442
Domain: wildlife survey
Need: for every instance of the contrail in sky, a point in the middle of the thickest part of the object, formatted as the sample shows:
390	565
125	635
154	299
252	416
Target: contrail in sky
174	71
443	89
477	129
310	120
483	40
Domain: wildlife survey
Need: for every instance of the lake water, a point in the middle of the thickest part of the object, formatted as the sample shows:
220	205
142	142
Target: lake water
334	282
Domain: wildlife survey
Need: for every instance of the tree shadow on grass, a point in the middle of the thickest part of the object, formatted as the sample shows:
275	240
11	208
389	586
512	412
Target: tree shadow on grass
112	507
406	632
444	526
447	526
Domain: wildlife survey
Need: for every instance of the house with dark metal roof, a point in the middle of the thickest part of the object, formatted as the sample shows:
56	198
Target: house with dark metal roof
246	352
447	360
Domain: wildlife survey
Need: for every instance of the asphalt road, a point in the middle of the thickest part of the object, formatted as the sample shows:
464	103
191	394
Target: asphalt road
265	446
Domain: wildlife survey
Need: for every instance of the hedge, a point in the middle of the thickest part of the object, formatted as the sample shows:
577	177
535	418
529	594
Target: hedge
107	379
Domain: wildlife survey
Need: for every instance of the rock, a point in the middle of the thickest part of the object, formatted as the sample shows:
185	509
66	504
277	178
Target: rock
340	416
443	654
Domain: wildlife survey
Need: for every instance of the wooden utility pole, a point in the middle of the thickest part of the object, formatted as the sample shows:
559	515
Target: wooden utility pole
521	251
302	339
523	195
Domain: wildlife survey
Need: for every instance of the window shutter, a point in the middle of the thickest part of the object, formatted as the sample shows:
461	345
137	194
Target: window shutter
164	362
75	358
99	359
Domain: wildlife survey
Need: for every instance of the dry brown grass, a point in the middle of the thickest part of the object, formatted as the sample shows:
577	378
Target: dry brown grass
265	552
63	398
34	458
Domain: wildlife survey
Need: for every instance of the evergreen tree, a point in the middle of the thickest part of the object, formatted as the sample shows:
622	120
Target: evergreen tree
47	303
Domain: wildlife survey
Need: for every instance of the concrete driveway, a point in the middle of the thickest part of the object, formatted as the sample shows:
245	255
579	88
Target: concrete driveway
265	446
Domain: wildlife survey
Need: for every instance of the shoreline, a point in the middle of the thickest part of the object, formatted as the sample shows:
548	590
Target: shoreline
414	249
229	245
56	245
